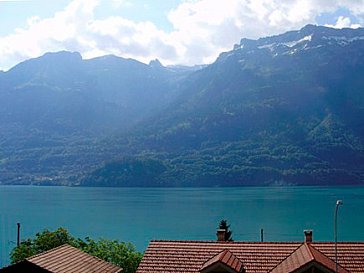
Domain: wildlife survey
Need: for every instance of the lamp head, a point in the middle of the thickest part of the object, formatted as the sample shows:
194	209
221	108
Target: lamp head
339	202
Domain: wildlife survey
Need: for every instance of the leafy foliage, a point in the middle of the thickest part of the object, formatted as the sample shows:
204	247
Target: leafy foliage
119	253
43	241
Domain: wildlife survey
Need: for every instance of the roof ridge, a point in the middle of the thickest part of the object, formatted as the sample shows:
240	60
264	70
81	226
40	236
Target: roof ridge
312	248
286	258
232	262
313	255
309	250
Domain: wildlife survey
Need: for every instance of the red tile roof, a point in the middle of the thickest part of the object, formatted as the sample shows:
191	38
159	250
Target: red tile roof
304	256
71	260
190	256
226	258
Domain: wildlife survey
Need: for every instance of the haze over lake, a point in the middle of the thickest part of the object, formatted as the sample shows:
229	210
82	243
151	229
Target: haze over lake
139	215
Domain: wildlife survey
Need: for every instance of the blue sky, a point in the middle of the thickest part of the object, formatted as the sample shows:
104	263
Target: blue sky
174	31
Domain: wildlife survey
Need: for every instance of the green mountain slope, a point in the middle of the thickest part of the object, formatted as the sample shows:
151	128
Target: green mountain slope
281	110
56	108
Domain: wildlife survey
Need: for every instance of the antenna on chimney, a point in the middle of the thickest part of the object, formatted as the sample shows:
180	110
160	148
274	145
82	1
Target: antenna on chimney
18	237
261	235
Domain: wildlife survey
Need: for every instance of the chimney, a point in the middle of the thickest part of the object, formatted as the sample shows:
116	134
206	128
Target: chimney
221	235
308	236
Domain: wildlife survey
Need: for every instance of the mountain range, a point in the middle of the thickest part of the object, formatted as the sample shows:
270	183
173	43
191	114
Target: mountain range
280	110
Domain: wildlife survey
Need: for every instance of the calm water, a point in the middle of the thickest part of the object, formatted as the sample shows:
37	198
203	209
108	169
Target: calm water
139	215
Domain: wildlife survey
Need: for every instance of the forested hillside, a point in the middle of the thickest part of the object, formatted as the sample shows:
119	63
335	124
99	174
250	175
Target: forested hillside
281	110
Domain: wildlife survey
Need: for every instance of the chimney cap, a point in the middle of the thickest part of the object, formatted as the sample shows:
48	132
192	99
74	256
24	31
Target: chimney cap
308	235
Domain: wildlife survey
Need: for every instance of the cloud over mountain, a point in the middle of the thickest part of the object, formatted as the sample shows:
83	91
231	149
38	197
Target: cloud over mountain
201	29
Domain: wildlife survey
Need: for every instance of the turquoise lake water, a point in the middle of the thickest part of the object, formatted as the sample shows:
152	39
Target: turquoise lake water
139	215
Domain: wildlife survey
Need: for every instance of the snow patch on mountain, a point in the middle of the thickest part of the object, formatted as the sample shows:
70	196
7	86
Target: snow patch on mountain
268	46
294	43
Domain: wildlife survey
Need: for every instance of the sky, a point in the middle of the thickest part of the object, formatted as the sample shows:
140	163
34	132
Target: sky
186	32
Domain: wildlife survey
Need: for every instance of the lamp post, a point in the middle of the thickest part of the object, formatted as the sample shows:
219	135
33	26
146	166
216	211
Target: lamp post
338	203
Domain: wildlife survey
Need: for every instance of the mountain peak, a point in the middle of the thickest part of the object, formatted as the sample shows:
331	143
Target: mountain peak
155	64
310	27
57	58
68	55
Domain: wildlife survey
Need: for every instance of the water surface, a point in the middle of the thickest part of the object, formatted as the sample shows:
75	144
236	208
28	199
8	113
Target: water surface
139	215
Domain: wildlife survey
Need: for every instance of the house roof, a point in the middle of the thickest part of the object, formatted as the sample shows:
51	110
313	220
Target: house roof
226	258
68	259
191	256
304	256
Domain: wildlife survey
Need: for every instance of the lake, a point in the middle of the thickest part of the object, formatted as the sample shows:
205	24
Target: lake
139	215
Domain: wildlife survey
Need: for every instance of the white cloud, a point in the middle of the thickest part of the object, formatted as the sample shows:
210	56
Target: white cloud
51	34
206	27
126	38
355	6
343	22
121	3
201	29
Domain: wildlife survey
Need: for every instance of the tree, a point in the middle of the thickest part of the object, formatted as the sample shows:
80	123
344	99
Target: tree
119	253
228	233
43	241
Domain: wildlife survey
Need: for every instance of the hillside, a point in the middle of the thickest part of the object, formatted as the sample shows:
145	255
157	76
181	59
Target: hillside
56	108
281	110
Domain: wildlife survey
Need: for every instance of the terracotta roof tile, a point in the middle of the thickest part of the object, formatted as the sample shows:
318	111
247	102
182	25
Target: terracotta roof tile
190	256
227	258
71	260
303	256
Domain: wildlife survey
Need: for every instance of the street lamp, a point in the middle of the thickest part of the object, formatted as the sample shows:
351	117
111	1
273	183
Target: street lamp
338	203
